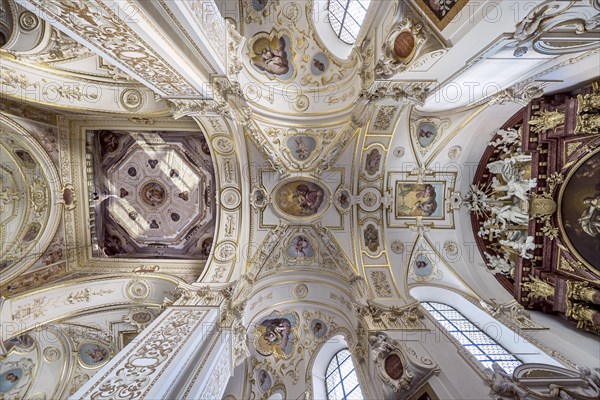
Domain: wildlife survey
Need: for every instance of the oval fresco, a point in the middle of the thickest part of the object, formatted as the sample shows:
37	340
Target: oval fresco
579	207
264	380
344	199
319	64
422	266
371	237
426	133
373	161
301	147
300	198
10	379
300	247
93	355
318	328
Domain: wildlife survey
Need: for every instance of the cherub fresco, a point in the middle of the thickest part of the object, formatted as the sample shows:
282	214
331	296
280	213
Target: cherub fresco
273	59
419	200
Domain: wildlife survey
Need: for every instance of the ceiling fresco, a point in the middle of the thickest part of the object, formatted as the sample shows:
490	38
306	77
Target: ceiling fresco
257	174
154	193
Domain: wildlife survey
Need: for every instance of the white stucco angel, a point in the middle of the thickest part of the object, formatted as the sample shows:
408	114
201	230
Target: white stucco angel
500	265
510	213
514	187
522	247
503	384
507	166
507	138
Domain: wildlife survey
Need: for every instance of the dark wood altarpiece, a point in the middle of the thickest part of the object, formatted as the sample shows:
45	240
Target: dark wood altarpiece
561	133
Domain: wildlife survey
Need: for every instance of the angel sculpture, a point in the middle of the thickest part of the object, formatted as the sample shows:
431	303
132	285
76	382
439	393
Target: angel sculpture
514	187
510	213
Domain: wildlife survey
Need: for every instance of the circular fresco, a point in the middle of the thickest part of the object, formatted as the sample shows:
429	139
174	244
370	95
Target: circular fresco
300	198
153	194
93	355
579	205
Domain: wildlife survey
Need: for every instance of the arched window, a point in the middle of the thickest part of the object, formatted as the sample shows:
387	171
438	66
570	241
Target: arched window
481	346
346	17
341	379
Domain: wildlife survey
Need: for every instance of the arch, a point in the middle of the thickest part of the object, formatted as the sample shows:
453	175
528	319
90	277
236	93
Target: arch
512	342
321	362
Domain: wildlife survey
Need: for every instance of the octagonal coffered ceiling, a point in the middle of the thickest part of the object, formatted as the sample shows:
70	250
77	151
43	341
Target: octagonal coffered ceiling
155	193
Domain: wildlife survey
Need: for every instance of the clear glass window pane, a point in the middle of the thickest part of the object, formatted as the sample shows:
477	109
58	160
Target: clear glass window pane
342	381
346	17
484	348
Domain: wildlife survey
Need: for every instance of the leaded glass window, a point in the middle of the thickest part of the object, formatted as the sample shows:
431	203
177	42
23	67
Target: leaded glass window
484	348
341	380
346	17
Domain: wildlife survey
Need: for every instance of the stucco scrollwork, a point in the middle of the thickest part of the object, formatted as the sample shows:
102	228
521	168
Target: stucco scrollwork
135	374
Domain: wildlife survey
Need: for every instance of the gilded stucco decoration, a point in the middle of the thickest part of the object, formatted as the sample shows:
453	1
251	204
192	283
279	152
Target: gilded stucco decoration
29	221
399	366
95	19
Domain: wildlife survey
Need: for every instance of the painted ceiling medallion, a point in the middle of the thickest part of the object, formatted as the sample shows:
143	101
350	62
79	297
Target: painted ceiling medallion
153	194
300	199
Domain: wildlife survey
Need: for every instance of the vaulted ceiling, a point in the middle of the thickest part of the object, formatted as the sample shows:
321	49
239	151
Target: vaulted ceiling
163	144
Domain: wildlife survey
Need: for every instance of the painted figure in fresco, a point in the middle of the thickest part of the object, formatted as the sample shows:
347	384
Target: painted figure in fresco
301	245
28	161
301	149
21	342
154	195
426	205
262	377
277	332
97	354
344	199
275	60
373	161
371	237
421	264
427	192
426	134
317	328
112	245
308	200
590	219
11	377
319	65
